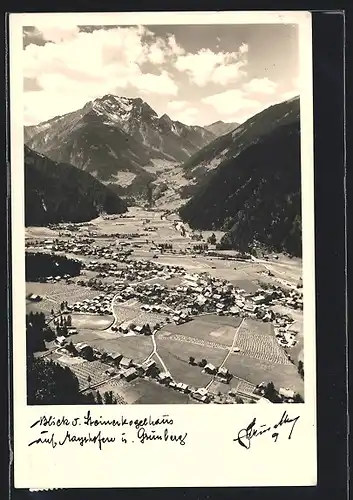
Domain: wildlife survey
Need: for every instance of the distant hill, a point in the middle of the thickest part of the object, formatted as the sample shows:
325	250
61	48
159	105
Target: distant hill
254	194
119	140
56	192
220	128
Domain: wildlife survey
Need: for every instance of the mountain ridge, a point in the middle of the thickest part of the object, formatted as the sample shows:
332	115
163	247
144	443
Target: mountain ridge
112	136
254	192
56	192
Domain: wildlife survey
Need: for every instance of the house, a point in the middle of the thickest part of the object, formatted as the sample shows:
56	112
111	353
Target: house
138	329
130	374
164	377
34	298
60	340
249	307
115	358
182	387
125	362
84	350
223	375
286	393
148	367
201	395
211	369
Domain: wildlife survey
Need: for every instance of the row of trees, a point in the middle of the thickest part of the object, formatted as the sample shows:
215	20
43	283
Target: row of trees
40	265
201	363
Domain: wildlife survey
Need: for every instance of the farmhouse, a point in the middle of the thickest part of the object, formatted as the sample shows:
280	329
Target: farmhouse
125	362
211	369
182	387
115	358
286	393
223	375
148	367
60	340
164	377
201	395
34	298
130	374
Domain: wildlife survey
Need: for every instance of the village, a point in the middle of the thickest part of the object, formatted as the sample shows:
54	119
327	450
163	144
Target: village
165	296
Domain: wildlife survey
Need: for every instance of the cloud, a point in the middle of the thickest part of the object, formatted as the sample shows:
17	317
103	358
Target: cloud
207	66
174	47
231	101
57	33
160	84
244	48
188	116
157	52
176	105
260	86
226	74
89	64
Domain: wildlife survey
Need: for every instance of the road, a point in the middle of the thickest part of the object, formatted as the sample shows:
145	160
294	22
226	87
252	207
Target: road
228	353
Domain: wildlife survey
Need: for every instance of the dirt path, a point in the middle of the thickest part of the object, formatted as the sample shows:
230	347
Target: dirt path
228	353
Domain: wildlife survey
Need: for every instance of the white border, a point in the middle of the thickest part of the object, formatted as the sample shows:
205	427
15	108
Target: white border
210	457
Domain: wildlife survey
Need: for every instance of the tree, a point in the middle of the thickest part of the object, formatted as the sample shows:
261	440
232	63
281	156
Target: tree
69	320
238	400
108	398
88	353
270	392
212	239
62	305
99	400
301	369
71	349
191	360
203	363
48	383
52	312
89	380
298	399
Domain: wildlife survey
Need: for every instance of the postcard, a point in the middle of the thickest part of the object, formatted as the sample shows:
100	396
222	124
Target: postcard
163	277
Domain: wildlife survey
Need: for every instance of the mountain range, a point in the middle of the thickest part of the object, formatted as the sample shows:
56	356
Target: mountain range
119	140
57	192
253	187
242	179
220	128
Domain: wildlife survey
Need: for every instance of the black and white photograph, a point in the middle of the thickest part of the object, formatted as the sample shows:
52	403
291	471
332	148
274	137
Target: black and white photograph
162	212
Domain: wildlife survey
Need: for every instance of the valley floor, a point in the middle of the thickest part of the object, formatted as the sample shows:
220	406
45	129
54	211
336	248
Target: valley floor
246	346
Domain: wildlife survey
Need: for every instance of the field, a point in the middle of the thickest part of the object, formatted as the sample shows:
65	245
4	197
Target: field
54	293
256	371
137	347
91	321
176	353
143	391
209	331
260	357
132	314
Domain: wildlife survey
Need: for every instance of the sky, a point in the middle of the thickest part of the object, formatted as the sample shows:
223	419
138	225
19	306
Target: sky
195	74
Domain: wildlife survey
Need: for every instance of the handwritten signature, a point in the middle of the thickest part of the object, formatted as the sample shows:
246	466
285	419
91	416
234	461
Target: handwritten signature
253	430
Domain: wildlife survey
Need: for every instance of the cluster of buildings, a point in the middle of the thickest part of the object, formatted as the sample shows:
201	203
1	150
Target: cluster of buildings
126	368
101	304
